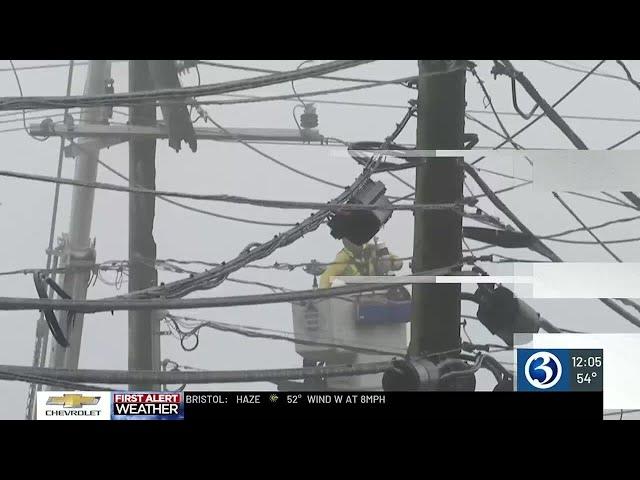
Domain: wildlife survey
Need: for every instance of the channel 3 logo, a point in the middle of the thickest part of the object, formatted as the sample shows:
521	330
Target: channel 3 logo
542	370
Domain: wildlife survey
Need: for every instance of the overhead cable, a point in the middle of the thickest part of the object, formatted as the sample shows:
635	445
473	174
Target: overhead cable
179	94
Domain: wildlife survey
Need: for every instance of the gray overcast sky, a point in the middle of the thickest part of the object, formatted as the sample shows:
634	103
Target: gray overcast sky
25	207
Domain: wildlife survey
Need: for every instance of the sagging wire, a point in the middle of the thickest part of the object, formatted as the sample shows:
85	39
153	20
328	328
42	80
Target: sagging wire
542	115
507	136
482	359
633	81
165	366
24	119
207	118
199	210
186	327
514	94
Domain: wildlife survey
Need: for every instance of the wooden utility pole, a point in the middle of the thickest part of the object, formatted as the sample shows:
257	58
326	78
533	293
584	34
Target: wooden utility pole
435	322
144	327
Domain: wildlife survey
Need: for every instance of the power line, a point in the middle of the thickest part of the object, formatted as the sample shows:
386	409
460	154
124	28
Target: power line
207	117
41	343
255	332
40	67
231	198
538	246
125	303
585	227
255	251
493	110
624	140
583	70
297	95
176	94
266	70
402	107
507	69
542	115
198	210
117	377
52	381
594	227
619	200
591	197
24	121
591	242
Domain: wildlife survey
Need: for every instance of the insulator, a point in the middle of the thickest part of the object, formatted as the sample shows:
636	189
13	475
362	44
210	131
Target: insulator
309	119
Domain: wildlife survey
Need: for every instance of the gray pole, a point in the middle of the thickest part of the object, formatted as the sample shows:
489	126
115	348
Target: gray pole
144	327
78	246
435	322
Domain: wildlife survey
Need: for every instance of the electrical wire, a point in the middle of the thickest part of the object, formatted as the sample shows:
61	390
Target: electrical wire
402	107
40	67
624	140
214	277
207	118
591	242
298	95
255	332
24	120
583	70
124	302
176	95
44	380
591	197
266	70
507	69
620	201
538	246
232	198
14	372
542	115
514	93
198	210
42	340
493	110
293	86
594	227
630	78
584	226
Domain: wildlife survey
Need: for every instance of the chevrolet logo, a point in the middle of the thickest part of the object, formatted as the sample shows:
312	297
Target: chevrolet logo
73	400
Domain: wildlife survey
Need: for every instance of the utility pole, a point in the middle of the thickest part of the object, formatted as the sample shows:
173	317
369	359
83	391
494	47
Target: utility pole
144	326
77	248
435	322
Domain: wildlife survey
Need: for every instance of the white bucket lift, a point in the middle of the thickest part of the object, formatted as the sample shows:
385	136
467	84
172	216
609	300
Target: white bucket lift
363	320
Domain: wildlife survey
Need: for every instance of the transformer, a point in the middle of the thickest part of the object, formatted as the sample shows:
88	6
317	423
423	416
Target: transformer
359	226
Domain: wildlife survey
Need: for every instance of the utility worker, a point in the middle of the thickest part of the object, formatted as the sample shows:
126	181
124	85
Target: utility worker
361	260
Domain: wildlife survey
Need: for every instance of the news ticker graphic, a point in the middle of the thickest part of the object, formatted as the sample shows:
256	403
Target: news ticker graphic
76	405
560	370
607	361
147	406
199	406
97	405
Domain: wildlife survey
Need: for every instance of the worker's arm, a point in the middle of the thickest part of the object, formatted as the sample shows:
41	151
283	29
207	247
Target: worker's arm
396	263
338	267
389	263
